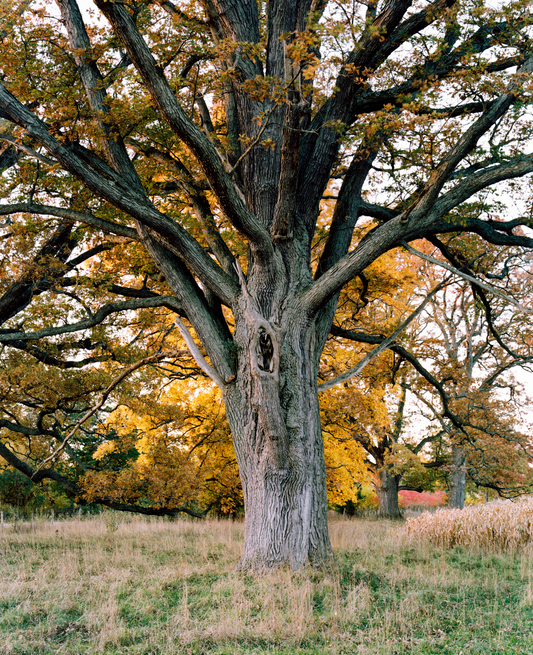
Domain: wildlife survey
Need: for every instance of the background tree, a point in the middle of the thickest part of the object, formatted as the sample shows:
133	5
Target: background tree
369	409
474	346
172	158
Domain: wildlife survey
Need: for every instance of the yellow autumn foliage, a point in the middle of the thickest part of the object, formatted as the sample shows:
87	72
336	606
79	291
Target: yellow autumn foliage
184	439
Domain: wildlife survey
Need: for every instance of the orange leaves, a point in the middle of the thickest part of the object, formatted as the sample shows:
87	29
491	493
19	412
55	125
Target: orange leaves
159	481
185	454
258	88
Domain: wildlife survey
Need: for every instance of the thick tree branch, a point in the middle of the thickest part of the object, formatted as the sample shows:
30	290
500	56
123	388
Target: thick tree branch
71	215
377	211
75	491
96	319
419	213
370	101
348	206
135	204
321	145
239	20
19	294
479	180
95	90
45	358
210	326
29	472
223	187
200	204
369	249
26	149
426	198
498	233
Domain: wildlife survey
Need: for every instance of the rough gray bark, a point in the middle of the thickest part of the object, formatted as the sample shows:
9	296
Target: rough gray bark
457	483
274	416
387	492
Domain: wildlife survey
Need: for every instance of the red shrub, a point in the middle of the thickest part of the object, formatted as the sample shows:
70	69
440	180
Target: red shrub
424	498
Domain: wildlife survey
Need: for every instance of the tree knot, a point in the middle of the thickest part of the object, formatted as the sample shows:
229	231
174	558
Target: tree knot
265	351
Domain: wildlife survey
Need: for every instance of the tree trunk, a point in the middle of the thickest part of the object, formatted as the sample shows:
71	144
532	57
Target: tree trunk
456	496
274	416
387	492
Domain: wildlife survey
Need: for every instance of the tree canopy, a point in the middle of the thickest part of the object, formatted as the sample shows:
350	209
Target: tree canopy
194	186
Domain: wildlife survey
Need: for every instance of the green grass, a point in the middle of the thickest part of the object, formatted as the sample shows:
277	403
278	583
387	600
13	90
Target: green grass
168	588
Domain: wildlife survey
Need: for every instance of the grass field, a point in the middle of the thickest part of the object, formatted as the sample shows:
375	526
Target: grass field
158	587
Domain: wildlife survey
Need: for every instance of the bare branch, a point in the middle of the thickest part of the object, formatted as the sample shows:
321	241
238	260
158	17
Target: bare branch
131	201
97	318
105	394
198	357
70	214
427	197
74	490
355	370
473	280
471	184
26	149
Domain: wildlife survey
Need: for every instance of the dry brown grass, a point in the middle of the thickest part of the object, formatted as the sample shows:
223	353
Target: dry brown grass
151	587
503	526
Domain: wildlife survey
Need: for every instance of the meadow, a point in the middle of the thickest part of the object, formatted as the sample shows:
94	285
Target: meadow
120	584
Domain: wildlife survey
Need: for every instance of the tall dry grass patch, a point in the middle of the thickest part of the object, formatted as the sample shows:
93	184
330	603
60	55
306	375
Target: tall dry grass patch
121	585
502	526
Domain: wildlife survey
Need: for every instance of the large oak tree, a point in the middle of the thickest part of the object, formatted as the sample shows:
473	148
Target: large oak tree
202	137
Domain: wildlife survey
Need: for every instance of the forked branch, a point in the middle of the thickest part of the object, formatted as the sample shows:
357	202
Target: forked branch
386	343
469	278
180	123
105	395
